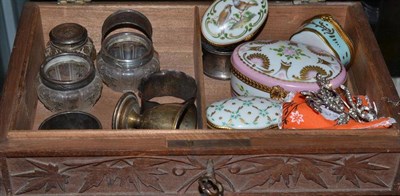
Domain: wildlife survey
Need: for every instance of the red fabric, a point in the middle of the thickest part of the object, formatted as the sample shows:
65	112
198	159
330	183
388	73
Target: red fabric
298	115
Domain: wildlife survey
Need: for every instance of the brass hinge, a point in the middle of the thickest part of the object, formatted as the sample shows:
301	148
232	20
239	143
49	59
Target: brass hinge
297	2
73	1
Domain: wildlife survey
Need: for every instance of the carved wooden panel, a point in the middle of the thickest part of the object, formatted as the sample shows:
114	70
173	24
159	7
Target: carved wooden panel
179	174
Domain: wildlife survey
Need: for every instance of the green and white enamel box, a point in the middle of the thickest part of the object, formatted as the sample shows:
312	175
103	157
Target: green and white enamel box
244	113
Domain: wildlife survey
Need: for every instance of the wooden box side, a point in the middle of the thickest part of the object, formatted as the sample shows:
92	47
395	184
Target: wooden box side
369	72
18	103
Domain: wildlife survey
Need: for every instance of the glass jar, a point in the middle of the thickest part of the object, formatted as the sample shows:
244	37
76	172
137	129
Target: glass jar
68	81
126	58
70	37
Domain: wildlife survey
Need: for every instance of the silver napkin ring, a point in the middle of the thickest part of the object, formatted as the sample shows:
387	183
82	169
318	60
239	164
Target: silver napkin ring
166	83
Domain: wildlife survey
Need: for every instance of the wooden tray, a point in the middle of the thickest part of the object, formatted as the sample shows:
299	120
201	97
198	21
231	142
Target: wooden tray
160	162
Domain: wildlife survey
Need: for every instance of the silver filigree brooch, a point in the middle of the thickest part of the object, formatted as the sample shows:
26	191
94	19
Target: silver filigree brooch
339	107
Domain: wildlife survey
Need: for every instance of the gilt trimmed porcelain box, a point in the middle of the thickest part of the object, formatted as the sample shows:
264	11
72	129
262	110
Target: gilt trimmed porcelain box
276	68
323	31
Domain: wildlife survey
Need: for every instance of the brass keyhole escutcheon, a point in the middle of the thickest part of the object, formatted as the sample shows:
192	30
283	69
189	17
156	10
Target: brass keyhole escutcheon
208	184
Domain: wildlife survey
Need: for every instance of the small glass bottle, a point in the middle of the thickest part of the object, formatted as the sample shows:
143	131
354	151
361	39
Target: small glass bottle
126	58
68	81
70	37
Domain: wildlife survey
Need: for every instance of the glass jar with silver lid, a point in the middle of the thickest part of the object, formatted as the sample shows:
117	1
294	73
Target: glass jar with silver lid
126	57
68	81
70	37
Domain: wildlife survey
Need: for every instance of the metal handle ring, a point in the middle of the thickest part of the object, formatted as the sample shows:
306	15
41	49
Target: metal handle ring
127	18
210	187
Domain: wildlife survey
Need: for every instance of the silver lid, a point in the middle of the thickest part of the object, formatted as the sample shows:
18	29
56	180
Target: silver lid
68	34
67	71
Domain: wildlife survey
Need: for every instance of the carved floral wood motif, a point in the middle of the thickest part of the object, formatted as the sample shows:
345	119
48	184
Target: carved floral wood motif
179	174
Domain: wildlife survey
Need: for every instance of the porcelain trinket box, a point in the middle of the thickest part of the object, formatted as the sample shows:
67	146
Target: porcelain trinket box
224	25
324	32
244	113
228	22
275	68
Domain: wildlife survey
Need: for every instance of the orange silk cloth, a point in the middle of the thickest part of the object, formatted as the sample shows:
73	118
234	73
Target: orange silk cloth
298	115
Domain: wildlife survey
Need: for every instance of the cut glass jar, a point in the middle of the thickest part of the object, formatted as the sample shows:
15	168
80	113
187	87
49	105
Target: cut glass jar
126	58
68	81
70	37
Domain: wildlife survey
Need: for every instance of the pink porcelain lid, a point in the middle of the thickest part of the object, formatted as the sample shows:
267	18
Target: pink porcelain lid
291	65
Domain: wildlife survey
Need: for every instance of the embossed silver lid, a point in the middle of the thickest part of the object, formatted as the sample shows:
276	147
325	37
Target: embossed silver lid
71	34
